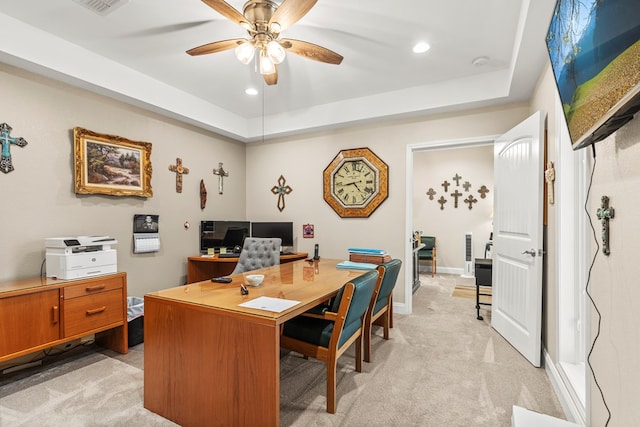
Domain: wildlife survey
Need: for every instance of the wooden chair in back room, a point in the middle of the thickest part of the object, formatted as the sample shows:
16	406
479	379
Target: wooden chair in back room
428	252
382	304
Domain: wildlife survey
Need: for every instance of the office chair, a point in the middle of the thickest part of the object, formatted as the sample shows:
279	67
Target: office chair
257	253
328	338
429	252
382	311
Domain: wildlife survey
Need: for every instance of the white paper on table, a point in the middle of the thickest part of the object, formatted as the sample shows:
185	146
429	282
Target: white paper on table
270	304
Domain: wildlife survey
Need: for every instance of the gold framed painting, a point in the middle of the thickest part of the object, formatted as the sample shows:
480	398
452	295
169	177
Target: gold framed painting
112	165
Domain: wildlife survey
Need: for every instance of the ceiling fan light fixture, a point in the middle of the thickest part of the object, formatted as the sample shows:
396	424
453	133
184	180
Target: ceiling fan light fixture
275	52
245	52
266	65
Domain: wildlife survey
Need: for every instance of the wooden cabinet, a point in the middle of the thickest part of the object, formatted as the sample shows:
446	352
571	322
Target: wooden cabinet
41	313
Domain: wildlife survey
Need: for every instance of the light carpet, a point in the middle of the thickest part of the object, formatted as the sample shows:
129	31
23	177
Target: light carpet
441	367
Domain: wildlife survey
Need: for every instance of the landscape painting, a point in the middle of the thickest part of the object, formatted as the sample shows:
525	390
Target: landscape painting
107	164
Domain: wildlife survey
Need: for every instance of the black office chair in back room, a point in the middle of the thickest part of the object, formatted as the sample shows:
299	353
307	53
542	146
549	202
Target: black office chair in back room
257	253
328	337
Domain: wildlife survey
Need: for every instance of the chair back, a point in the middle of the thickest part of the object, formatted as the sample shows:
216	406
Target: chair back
428	241
389	272
360	301
257	253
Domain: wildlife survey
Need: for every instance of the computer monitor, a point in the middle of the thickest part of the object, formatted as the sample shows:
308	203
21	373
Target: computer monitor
283	230
222	234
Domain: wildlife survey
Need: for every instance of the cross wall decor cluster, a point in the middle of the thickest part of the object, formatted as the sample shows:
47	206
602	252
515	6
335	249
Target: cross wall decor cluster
456	195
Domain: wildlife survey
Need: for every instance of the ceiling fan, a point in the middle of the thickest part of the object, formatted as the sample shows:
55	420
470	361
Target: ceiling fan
264	20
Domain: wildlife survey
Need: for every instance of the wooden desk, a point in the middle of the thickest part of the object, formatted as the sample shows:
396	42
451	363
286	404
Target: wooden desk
201	268
208	361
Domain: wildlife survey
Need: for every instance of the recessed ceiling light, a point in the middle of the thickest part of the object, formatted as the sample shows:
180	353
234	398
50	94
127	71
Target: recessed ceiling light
421	47
251	91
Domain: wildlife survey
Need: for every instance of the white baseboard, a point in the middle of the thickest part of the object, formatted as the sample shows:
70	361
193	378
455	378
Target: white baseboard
569	406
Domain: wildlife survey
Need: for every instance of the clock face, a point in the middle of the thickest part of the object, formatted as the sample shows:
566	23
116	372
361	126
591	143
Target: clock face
356	183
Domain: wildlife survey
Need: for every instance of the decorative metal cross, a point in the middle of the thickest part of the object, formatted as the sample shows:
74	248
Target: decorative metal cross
179	170
605	213
471	200
466	186
431	193
281	190
6	165
442	201
446	185
483	191
455	195
550	177
457	179
221	175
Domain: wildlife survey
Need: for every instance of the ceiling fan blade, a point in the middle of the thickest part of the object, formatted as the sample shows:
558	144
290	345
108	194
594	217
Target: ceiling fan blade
226	10
271	79
311	51
215	47
290	12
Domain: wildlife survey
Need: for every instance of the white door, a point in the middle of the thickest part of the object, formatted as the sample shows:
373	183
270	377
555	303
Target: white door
516	311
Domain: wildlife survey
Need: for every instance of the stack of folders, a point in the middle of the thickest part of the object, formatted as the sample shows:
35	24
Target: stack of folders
370	256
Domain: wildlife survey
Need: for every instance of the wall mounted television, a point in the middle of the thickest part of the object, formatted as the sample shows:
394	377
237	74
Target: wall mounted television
594	48
283	230
222	234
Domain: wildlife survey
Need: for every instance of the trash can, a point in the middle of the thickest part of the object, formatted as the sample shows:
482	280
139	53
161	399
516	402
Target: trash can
135	319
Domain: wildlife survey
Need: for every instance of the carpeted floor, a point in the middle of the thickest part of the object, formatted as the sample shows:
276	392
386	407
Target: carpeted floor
442	367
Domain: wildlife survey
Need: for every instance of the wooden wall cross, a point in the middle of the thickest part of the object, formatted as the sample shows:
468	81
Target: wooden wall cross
431	193
179	170
446	185
6	165
221	175
605	213
455	195
457	179
281	190
466	185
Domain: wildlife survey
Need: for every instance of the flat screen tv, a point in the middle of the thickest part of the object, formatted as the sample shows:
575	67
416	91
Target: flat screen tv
222	234
283	230
594	48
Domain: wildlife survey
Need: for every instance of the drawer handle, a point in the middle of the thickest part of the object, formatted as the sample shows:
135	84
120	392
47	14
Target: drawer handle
55	314
95	288
96	310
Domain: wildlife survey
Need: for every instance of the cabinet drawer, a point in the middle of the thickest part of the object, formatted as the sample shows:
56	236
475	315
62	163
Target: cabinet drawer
92	312
93	287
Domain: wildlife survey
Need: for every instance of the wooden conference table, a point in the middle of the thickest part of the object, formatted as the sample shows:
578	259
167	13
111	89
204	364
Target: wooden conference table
209	361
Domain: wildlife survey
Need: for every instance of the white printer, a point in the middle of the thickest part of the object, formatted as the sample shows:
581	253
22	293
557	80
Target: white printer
79	257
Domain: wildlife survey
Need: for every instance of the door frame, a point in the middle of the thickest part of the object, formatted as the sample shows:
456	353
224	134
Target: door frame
411	149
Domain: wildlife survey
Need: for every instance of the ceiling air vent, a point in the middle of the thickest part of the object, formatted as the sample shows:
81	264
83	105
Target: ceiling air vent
102	7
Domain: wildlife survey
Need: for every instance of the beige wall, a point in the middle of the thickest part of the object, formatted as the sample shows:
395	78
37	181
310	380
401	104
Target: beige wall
430	169
38	200
613	284
301	160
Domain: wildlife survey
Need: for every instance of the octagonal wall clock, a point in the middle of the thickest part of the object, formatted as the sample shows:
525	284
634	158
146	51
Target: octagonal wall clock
355	183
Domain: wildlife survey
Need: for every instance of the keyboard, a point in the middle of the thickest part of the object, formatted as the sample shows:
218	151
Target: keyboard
231	255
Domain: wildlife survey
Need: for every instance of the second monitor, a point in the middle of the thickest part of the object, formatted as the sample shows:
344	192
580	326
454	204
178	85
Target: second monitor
282	230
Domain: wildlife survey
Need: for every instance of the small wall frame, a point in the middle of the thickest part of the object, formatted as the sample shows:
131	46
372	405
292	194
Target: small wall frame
112	165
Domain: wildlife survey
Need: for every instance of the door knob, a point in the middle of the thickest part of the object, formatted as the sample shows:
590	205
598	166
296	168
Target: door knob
531	252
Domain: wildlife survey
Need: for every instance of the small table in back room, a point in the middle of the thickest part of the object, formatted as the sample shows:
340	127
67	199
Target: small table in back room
483	278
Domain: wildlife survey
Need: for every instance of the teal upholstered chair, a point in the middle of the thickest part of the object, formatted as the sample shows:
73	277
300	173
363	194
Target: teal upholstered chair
428	252
327	338
382	311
